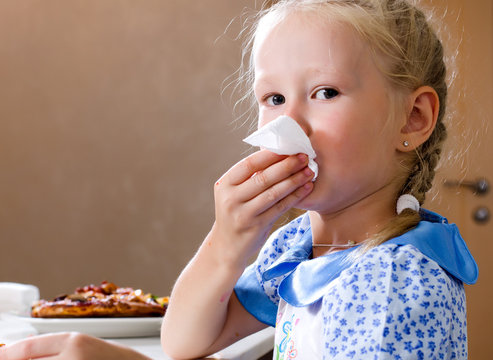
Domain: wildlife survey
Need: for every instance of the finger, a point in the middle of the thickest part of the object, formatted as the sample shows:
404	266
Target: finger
282	190
276	173
35	347
281	207
244	169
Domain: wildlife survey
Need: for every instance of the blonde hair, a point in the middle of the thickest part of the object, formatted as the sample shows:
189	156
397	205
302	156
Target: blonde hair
408	53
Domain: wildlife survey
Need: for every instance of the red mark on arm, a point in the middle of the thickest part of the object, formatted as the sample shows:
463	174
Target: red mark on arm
224	297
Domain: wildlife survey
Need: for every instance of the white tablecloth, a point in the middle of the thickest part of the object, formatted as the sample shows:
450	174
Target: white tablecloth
250	348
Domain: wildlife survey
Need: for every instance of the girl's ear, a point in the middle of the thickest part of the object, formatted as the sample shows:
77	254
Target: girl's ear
421	120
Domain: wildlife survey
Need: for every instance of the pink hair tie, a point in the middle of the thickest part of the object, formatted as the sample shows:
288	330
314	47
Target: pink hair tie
407	201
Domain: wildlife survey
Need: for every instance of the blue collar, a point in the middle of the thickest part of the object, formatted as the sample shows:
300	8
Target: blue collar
434	237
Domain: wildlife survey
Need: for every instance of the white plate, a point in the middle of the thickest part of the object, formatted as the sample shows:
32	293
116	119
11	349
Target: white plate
100	327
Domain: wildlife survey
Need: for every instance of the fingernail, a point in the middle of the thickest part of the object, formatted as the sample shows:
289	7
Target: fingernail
307	186
302	157
308	172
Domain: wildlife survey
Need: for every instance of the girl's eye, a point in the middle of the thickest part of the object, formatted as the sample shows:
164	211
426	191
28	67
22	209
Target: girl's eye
326	94
276	99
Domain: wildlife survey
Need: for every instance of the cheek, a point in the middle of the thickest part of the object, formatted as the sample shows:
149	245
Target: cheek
340	134
342	148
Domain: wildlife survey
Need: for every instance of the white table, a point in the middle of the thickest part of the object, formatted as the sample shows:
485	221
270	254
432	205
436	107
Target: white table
249	348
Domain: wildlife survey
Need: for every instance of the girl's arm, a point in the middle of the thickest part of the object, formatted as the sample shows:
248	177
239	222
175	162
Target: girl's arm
203	316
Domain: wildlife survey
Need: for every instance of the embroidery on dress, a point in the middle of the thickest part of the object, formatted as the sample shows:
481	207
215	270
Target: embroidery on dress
286	348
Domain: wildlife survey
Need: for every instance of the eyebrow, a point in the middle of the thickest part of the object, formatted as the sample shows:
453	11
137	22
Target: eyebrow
340	76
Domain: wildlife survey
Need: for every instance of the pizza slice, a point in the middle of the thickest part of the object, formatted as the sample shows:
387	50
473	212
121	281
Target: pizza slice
105	300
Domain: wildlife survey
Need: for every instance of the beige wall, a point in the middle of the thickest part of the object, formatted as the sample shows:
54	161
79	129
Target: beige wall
112	133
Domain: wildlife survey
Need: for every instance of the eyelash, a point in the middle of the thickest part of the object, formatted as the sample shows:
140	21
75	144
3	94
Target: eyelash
270	97
332	90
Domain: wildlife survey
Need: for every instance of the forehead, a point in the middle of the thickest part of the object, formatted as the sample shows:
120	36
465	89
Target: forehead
323	41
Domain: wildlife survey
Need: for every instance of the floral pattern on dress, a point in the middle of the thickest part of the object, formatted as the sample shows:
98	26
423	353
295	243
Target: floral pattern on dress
278	243
393	303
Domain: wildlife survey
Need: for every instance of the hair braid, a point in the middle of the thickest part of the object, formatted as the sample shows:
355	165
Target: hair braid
427	156
421	178
423	64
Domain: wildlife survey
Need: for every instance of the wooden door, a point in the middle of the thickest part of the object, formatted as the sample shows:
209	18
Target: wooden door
470	31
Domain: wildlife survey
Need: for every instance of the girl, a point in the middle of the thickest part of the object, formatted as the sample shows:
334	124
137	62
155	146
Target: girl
364	273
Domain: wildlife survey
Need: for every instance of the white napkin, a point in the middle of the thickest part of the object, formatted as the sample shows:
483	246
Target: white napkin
17	298
284	136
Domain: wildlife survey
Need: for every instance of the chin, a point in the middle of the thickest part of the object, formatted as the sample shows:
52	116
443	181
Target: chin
317	200
308	203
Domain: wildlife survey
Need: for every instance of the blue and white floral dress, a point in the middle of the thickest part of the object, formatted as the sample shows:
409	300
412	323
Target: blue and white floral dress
403	299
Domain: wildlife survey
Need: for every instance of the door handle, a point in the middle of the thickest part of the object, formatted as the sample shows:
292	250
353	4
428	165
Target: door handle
480	186
481	215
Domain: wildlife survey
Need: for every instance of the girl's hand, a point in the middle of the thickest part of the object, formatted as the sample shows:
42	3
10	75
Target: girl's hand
68	346
251	196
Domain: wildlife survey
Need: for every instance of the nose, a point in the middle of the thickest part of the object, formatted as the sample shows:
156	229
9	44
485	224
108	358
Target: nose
297	112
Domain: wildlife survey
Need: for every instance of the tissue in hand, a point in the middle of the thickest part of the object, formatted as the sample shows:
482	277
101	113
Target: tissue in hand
284	136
